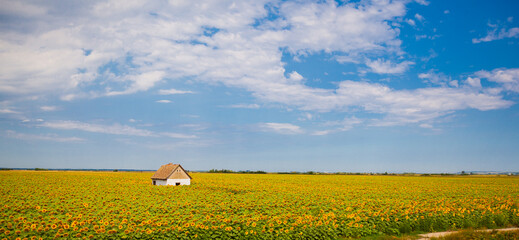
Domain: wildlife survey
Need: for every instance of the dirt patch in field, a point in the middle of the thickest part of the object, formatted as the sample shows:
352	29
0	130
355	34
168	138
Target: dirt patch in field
427	236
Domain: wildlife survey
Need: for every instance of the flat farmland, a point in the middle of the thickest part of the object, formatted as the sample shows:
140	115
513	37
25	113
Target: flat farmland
111	205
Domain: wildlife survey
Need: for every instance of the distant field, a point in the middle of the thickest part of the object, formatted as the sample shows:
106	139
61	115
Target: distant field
99	205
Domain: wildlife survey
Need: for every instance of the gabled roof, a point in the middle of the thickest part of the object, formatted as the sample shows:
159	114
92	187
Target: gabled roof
166	170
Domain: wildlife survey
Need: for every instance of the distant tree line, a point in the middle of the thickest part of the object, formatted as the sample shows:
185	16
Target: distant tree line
35	169
305	173
231	171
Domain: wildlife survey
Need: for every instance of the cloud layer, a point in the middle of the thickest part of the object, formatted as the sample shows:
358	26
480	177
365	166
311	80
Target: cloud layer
498	34
101	49
281	128
115	129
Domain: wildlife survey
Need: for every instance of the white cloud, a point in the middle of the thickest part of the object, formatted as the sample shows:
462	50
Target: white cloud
140	82
163	101
115	129
433	77
48	108
346	124
43	62
497	33
69	97
348	59
66	54
17	8
307	116
474	82
109	48
387	67
172	91
31	137
411	106
146	48
8	111
244	105
422	2
339	126
295	77
281	128
507	78
419	17
322	132
411	22
350	28
454	83
178	135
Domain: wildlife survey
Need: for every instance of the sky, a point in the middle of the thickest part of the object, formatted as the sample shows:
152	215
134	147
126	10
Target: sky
331	86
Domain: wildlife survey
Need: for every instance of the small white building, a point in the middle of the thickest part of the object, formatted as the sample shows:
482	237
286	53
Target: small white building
171	174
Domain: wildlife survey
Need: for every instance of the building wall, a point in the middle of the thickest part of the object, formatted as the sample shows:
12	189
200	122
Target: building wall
181	181
160	182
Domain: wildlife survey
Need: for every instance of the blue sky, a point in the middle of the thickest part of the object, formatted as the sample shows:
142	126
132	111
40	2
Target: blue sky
359	86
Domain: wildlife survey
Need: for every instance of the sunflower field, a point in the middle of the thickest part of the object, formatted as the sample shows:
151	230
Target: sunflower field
125	205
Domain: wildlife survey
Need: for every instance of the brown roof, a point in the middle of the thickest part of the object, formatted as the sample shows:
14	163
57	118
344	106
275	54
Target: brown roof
166	170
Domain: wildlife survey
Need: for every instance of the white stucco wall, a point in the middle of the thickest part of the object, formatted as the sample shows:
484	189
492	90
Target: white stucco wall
181	181
160	182
172	182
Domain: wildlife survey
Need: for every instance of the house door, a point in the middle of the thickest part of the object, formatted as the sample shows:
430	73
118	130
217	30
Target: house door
176	184
154	183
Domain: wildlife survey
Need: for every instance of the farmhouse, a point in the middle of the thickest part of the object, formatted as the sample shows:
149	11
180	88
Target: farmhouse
171	174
